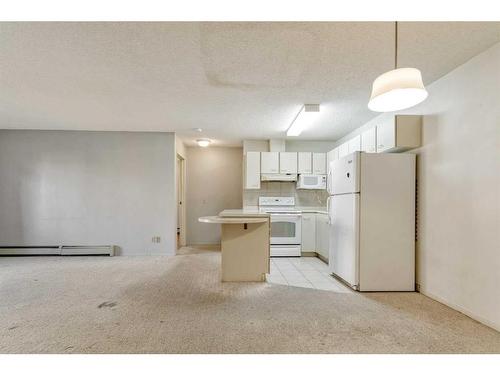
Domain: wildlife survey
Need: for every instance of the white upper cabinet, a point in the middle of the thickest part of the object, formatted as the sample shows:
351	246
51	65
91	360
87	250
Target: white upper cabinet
343	149
252	170
386	136
288	162
354	144
399	133
305	162
369	140
269	162
319	163
332	155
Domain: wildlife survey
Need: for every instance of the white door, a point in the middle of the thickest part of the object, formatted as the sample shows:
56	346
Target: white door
345	174
269	162
305	163
288	162
344	237
252	170
368	140
319	163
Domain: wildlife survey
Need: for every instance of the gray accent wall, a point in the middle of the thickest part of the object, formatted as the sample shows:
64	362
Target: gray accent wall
88	188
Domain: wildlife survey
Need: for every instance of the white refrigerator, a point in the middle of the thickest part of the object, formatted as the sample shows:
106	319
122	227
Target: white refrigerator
371	206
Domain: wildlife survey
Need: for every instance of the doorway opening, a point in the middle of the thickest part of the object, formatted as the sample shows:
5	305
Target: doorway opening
180	195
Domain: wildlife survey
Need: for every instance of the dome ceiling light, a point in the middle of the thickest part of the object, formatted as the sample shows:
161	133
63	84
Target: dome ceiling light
203	142
397	89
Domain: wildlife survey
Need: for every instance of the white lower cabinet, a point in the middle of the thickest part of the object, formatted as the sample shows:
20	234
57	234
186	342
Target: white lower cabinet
322	235
308	232
315	234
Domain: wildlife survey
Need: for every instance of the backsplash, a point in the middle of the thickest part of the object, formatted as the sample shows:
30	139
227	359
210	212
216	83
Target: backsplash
314	198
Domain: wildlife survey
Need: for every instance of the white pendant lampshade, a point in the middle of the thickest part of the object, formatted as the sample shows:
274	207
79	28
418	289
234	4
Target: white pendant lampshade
396	90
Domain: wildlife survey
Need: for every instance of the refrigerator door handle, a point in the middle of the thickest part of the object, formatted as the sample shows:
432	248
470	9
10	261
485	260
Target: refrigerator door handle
329	181
328	209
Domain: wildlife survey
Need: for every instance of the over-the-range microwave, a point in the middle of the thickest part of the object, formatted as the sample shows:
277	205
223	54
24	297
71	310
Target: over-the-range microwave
311	181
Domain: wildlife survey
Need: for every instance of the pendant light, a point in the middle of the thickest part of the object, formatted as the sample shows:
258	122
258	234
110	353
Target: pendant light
397	89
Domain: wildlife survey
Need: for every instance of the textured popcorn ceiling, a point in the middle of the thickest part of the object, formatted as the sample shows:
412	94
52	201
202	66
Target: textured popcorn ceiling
234	80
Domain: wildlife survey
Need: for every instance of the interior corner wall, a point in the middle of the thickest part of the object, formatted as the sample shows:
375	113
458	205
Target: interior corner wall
458	172
88	188
214	182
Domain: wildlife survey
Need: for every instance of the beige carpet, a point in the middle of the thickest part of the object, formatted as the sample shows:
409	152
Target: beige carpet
177	305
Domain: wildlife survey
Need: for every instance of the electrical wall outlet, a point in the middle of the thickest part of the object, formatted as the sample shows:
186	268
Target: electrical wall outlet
156	239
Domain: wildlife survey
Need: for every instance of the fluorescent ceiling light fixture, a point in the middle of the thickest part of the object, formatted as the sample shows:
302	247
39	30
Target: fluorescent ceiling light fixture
397	89
203	142
306	116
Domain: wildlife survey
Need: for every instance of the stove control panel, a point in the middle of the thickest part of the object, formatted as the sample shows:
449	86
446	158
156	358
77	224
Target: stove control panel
276	201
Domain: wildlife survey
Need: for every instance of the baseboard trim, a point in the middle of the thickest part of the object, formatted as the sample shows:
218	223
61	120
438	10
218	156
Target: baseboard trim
459	308
58	250
308	254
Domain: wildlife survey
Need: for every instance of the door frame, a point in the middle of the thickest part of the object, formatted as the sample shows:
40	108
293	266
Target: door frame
180	199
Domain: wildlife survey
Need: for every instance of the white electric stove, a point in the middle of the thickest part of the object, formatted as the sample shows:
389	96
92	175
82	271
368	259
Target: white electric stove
285	225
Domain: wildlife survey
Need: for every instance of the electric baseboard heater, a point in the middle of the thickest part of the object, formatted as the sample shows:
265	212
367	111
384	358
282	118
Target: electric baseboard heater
58	250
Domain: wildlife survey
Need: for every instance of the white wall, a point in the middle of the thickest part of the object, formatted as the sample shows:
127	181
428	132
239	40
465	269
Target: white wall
458	248
214	182
88	188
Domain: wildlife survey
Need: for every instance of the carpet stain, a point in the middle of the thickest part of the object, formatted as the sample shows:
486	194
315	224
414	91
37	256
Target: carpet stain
13	327
107	304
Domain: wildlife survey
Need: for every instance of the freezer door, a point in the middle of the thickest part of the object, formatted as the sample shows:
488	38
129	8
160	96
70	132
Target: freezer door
344	237
344	174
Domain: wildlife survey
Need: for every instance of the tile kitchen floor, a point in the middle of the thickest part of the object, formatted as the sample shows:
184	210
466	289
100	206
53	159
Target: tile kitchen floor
305	272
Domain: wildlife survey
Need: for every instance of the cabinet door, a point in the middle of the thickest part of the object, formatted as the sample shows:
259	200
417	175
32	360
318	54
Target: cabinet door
322	235
354	144
269	162
319	163
305	162
343	150
368	140
252	170
386	135
288	162
332	155
308	232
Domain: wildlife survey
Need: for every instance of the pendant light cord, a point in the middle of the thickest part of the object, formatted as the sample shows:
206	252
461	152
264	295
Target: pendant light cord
396	45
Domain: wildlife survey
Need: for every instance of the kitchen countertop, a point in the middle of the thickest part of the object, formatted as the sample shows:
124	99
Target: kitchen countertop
232	220
244	212
253	211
